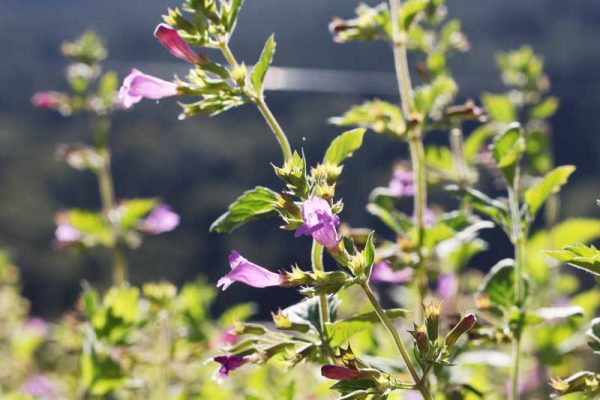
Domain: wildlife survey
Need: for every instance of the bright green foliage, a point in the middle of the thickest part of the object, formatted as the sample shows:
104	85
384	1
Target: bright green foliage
580	256
256	203
259	71
344	146
499	285
549	184
377	115
507	150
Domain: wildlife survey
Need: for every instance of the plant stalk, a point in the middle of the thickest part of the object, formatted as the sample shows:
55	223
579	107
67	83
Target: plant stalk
317	265
397	340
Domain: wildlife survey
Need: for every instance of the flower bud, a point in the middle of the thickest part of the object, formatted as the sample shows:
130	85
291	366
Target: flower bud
327	172
340	373
432	313
465	324
421	340
282	322
175	44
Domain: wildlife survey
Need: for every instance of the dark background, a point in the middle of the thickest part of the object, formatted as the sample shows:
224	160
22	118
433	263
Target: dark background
200	165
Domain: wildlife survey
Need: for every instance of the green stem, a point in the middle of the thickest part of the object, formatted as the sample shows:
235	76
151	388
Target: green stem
397	340
259	100
107	197
518	239
317	265
417	153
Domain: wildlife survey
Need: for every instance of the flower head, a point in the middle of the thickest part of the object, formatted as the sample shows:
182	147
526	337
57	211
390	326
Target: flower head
162	219
446	287
49	100
38	386
402	183
173	42
249	273
66	233
319	222
138	86
382	272
229	363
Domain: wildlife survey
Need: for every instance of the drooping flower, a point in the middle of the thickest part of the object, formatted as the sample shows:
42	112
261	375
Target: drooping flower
446	287
173	42
249	273
383	273
162	219
402	183
138	86
319	222
49	100
38	386
229	363
340	373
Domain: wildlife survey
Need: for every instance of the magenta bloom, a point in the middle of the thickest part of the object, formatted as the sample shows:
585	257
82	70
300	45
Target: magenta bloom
138	86
49	100
446	287
319	222
162	219
340	373
37	326
66	233
402	183
38	386
169	38
383	273
249	273
230	363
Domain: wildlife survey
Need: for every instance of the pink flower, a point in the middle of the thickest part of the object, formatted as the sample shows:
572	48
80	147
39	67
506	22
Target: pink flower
162	219
429	218
230	363
227	337
37	326
169	38
446	287
49	100
319	222
138	86
65	233
402	183
340	373
38	386
249	273
382	272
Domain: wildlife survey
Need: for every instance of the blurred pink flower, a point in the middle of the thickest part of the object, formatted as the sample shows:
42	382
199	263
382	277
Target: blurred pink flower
138	86
383	273
429	218
162	219
66	233
229	363
249	273
37	326
319	222
173	42
49	100
402	183
38	386
447	285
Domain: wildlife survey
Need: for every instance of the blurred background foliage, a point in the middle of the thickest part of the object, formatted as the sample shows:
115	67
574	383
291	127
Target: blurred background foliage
200	165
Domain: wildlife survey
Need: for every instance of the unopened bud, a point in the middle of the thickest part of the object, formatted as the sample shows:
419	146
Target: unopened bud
421	340
465	324
432	313
284	323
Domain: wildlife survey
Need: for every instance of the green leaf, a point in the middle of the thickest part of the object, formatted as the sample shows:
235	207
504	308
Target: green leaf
256	203
259	71
409	12
378	115
307	311
579	256
432	98
369	254
344	146
341	331
499	285
507	150
475	141
494	209
92	226
549	184
545	109
132	212
593	335
499	107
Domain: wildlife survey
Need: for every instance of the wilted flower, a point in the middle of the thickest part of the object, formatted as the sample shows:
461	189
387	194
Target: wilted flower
162	219
319	222
446	287
47	99
38	386
169	38
249	273
382	272
229	363
138	86
402	183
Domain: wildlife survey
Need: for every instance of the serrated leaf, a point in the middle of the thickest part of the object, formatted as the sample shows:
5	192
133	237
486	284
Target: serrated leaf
259	71
499	285
344	146
499	107
549	184
494	209
339	332
507	150
256	203
369	254
579	256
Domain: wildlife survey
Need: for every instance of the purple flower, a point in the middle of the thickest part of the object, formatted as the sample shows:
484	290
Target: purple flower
138	86
37	326
429	218
65	233
382	272
230	363
446	287
49	100
340	373
38	386
402	183
249	273
162	219
319	222
169	38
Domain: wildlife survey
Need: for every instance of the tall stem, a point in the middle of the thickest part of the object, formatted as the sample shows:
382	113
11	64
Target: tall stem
518	239
397	340
317	265
415	143
107	196
259	100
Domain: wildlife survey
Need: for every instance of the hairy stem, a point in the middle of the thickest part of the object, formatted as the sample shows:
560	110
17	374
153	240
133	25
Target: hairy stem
317	265
417	153
397	340
107	196
259	100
